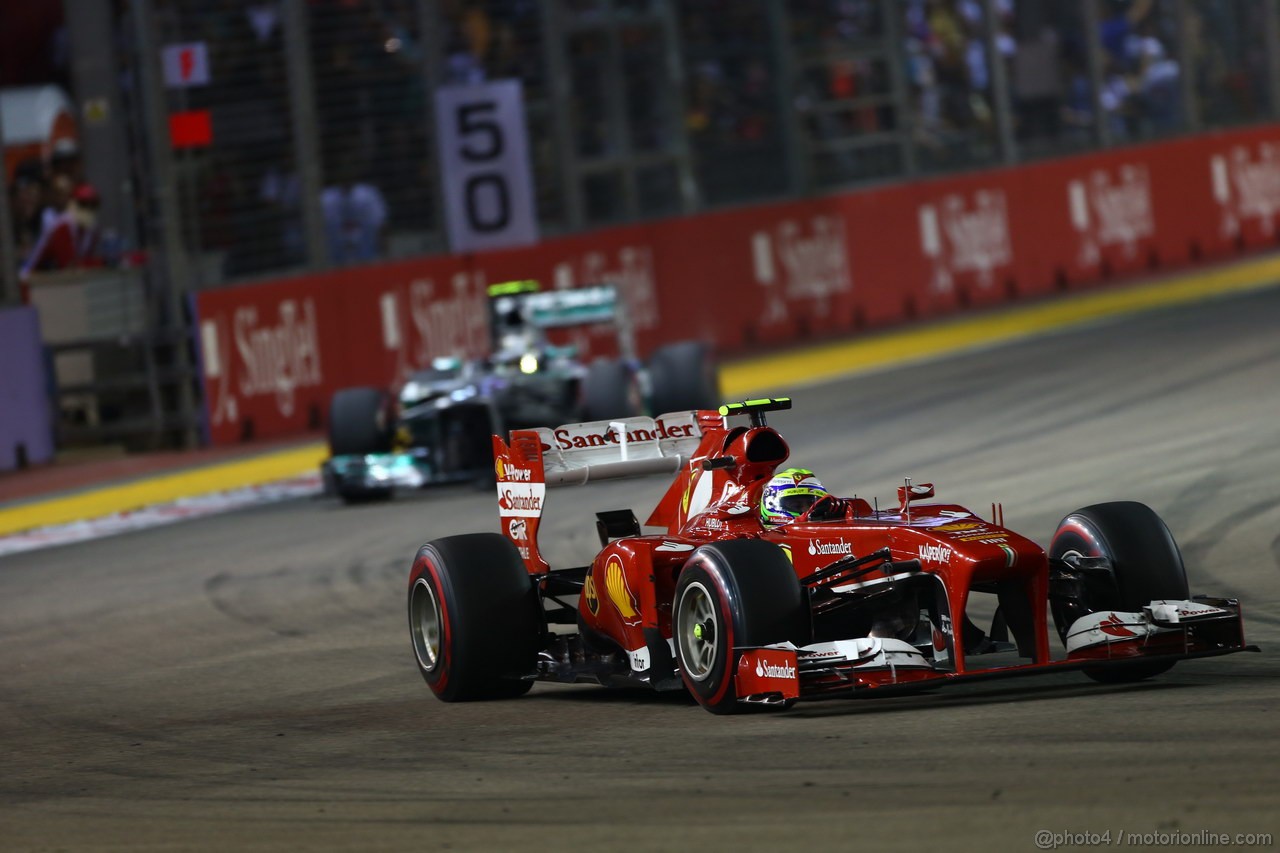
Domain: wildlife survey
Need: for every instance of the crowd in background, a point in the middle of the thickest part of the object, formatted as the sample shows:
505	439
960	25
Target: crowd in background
863	77
54	215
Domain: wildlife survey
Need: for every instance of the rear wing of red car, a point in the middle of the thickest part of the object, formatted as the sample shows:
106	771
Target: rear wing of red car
576	454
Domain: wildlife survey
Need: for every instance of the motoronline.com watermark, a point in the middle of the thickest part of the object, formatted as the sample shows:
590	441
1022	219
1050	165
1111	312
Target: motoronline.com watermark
1050	840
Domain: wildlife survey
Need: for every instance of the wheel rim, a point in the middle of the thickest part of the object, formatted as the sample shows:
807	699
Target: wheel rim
698	630
425	623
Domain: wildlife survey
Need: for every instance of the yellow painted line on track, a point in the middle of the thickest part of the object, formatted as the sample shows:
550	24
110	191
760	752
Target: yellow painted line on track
782	373
779	373
225	476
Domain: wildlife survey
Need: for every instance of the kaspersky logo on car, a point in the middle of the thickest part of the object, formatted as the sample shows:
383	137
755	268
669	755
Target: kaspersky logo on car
935	554
773	670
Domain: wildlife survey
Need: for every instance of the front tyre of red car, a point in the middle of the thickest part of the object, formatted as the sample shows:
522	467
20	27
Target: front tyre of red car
474	618
1145	565
741	592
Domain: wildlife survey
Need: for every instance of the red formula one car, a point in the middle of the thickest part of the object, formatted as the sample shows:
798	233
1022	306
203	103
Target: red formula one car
847	600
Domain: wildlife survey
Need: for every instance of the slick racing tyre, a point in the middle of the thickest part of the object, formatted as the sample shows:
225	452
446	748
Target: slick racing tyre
1146	566
741	592
610	390
360	422
683	376
474	618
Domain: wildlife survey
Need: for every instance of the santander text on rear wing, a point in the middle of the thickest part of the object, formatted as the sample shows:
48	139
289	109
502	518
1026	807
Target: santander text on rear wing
575	454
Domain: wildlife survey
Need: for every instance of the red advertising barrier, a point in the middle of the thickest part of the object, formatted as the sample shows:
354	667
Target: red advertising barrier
274	353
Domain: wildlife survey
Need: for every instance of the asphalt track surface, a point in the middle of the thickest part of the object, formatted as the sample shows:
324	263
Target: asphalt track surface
245	682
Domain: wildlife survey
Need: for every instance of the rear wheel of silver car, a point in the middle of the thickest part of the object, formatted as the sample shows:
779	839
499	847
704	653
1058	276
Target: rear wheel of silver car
741	592
683	376
1145	563
475	621
611	390
360	422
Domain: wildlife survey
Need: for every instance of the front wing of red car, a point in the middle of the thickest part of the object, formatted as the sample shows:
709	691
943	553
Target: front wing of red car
871	666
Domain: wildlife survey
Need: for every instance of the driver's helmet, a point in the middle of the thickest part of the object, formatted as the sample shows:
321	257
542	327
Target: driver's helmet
789	495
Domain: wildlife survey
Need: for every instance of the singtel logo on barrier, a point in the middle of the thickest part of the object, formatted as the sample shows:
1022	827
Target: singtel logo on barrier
275	359
792	264
451	323
1107	212
1246	186
959	235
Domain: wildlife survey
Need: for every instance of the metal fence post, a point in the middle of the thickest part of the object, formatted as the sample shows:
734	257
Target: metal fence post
553	40
690	198
616	110
9	293
1187	77
1271	39
302	115
171	261
432	31
104	141
904	111
799	176
1097	72
1001	103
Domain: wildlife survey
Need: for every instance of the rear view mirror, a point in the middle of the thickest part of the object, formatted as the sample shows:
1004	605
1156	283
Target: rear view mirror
907	494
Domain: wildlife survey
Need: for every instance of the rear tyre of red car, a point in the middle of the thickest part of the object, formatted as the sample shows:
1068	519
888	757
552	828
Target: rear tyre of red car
683	376
610	390
1146	566
474	618
742	592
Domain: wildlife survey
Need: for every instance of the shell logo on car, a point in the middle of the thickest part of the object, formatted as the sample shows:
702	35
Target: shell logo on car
619	593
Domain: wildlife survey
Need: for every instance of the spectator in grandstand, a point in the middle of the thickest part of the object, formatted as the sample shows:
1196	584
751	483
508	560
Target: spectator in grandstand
281	191
57	197
469	44
1142	93
26	196
1114	30
71	239
949	72
1078	108
355	217
1116	99
1157	80
462	66
1037	86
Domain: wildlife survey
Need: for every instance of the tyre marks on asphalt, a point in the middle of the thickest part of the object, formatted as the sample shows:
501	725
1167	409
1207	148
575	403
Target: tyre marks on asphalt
254	599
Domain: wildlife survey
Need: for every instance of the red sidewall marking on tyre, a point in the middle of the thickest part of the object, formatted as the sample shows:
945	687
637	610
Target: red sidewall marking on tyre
446	650
727	618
